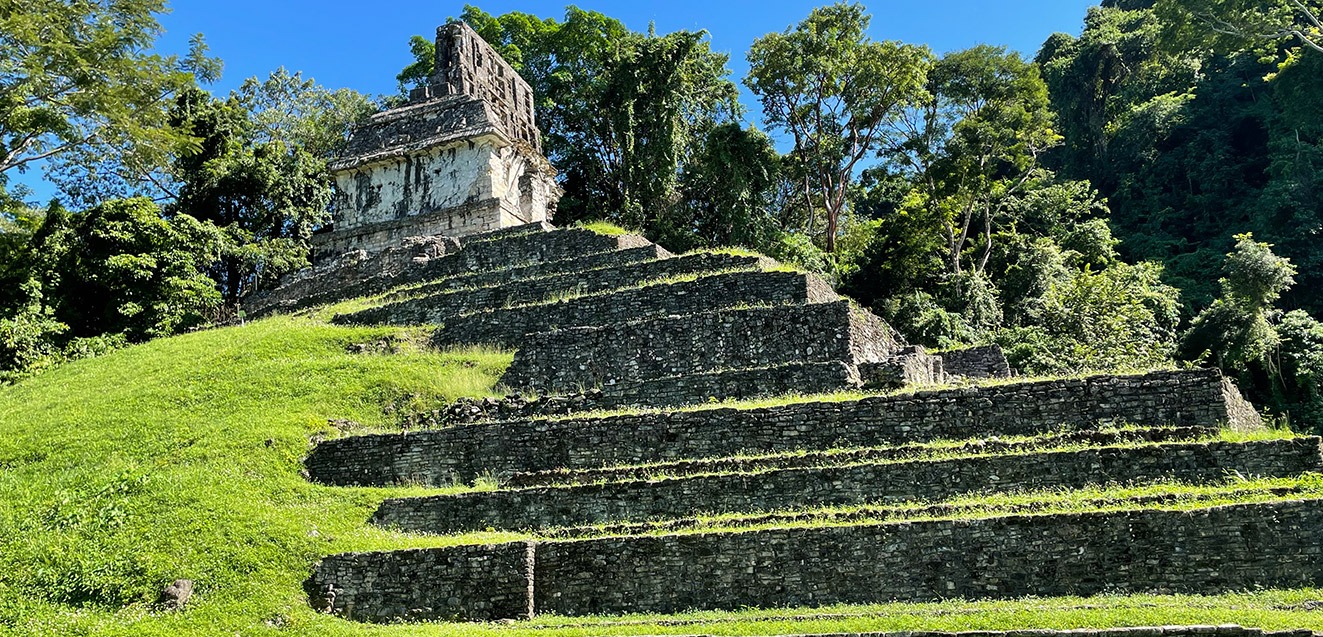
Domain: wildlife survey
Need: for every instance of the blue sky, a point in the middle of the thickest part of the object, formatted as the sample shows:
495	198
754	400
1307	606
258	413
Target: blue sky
362	45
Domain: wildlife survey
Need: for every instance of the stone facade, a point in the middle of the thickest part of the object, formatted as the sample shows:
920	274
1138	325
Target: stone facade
466	65
463	453
1201	551
462	158
842	457
463	583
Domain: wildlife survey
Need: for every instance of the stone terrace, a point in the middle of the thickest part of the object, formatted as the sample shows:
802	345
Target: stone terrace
587	310
802	502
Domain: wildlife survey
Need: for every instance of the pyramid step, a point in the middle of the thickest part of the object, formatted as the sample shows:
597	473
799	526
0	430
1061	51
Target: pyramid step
429	258
465	452
566	360
1092	498
509	327
437	307
799	488
1195	551
482	253
502	276
841	457
801	378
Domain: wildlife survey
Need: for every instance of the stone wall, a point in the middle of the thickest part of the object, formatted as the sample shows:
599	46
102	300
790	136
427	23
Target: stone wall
470	218
1200	551
842	457
447	178
509	327
1203	551
988	361
462	583
434	308
463	453
787	489
463	157
805	378
567	359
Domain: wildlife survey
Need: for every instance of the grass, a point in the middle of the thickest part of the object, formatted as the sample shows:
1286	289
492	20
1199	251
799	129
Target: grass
181	458
603	227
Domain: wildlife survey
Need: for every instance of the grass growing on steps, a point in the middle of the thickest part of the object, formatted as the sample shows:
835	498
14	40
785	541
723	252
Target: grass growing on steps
603	227
181	458
1166	496
935	450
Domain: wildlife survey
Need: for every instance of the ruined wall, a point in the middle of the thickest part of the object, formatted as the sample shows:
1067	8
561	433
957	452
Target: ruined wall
1201	551
466	65
462	158
508	327
462	583
802	378
788	489
448	263
465	187
465	452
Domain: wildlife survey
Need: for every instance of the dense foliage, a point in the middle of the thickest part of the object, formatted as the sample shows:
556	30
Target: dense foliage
227	190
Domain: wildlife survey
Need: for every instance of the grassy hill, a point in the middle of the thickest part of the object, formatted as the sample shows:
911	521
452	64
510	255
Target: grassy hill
181	458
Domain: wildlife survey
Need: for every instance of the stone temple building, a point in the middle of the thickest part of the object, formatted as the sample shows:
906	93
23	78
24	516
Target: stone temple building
463	156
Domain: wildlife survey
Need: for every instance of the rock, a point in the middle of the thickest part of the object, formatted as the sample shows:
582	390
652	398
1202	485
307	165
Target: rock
176	595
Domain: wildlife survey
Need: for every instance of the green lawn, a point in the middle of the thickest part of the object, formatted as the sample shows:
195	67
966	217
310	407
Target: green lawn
181	458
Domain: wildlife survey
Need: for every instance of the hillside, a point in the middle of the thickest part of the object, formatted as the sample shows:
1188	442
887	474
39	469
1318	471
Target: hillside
185	458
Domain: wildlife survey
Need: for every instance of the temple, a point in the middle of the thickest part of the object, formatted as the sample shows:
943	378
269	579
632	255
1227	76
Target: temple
463	156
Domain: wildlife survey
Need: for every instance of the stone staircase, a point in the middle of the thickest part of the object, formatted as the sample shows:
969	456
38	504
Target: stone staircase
617	314
1149	483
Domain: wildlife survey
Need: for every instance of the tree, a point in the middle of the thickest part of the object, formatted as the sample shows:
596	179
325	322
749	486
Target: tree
265	196
122	268
302	114
975	144
1277	356
838	94
1191	147
726	187
1237	329
79	92
1232	25
1122	317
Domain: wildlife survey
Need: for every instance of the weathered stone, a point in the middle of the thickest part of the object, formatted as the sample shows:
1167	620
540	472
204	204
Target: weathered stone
987	361
176	594
1201	551
856	484
462	453
462	158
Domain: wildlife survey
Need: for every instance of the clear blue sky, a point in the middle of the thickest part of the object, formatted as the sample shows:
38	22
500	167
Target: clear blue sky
362	45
